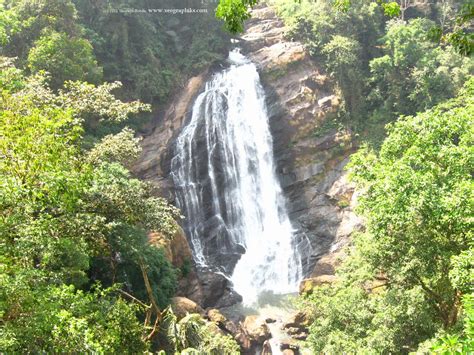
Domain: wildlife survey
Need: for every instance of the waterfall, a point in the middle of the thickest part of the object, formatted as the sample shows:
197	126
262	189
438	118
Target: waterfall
226	186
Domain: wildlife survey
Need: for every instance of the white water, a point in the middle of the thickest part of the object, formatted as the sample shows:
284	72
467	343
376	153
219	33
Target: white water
230	118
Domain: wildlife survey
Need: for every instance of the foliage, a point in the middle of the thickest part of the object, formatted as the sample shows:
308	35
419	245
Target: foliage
152	54
463	341
62	319
342	55
98	102
405	276
26	21
415	74
382	67
234	13
192	335
122	148
64	213
64	58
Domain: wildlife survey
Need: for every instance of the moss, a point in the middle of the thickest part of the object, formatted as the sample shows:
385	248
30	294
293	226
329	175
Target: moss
343	202
331	123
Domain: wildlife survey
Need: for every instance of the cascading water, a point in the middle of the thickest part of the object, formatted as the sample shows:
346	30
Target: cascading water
226	186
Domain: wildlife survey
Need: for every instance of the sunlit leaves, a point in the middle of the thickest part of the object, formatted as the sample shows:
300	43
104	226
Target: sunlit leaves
234	13
391	8
64	58
406	275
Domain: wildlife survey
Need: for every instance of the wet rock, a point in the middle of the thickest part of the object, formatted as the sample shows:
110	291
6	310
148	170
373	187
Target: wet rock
298	320
217	290
182	306
300	336
292	331
154	161
289	345
310	158
216	316
222	322
257	330
267	348
270	320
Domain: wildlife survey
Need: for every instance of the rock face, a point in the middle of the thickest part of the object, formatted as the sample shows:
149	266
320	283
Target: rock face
177	249
153	163
310	152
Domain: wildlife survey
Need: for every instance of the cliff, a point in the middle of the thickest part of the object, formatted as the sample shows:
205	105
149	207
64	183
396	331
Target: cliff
310	157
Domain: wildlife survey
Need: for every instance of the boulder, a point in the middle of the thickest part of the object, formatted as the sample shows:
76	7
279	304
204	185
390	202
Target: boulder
300	336
182	306
256	329
222	322
297	320
292	331
216	290
290	347
216	316
296	328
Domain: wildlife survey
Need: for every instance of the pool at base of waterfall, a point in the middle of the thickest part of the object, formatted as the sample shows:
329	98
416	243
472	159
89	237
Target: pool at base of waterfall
275	310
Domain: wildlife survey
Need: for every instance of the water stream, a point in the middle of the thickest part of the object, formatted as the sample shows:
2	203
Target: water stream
227	188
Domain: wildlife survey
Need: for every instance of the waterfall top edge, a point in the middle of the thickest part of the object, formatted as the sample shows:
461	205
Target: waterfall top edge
237	58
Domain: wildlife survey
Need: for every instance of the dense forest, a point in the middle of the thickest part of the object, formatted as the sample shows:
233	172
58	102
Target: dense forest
82	79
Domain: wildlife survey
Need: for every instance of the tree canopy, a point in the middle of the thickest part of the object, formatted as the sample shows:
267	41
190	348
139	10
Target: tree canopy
407	275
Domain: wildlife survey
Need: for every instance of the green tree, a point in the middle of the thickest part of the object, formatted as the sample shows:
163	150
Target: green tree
63	211
342	63
24	22
193	335
406	275
235	12
415	73
64	58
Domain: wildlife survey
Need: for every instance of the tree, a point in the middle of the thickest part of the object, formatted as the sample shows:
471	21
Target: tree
342	63
65	59
235	12
192	335
398	286
63	212
415	74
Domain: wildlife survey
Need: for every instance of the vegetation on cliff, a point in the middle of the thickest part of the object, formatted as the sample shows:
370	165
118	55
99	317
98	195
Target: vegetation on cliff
407	284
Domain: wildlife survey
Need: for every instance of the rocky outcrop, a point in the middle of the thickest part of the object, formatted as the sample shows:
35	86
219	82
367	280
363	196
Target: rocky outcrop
182	306
255	333
176	249
153	163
